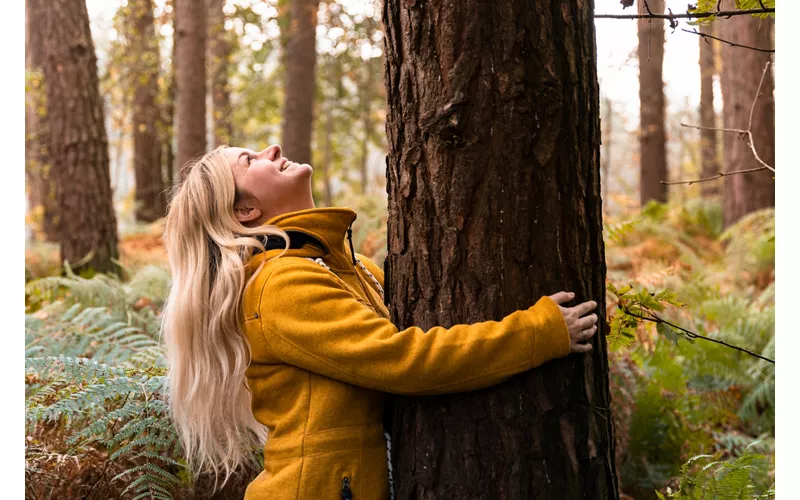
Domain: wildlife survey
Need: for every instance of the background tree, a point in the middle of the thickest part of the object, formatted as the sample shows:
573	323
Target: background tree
87	228
150	190
220	45
488	166
652	135
190	52
741	73
300	57
708	117
41	189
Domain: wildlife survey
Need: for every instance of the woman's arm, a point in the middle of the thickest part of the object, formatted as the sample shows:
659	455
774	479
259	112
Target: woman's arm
311	321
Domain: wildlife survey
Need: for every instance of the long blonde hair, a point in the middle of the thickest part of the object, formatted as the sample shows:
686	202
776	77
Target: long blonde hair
207	352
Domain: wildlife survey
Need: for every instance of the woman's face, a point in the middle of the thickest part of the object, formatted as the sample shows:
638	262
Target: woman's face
268	184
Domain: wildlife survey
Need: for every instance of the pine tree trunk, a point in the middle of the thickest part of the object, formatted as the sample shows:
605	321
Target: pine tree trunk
41	187
708	119
300	58
219	53
191	80
493	177
608	127
168	111
150	195
652	135
87	227
741	73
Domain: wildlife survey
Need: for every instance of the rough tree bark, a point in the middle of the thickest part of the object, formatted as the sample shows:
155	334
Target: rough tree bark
300	58
87	226
190	38
149	195
741	73
41	187
652	134
708	118
219	53
493	177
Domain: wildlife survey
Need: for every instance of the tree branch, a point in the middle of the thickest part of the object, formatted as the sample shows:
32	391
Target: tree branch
693	335
706	36
687	15
742	133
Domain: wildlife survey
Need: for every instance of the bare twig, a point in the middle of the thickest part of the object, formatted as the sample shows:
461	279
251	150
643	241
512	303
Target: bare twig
742	133
706	36
693	335
688	15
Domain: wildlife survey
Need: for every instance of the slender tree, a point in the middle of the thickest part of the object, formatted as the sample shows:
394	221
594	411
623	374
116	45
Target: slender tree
493	177
219	54
607	134
150	192
708	119
741	73
40	186
652	134
190	39
87	227
169	94
300	58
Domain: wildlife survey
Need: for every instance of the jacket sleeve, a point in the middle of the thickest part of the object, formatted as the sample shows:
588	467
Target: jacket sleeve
311	321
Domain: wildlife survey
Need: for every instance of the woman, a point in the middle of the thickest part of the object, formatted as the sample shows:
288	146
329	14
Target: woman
273	322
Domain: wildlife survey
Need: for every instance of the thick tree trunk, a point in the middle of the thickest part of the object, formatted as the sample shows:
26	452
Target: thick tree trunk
741	73
708	118
608	130
87	227
191	79
652	135
493	177
150	195
41	187
300	58
219	52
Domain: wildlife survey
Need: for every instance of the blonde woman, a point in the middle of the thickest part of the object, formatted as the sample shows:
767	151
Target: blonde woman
277	335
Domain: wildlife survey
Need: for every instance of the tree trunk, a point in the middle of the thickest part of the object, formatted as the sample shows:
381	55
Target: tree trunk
366	125
652	135
327	152
708	119
741	73
40	185
150	195
168	111
300	58
191	79
493	177
608	130
87	226
219	53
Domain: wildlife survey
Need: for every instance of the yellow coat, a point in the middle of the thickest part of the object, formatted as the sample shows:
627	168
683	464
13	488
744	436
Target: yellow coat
324	354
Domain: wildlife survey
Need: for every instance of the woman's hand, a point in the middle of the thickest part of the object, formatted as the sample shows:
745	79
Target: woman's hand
580	329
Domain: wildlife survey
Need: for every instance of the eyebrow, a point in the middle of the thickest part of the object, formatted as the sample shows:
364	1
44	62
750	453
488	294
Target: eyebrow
239	158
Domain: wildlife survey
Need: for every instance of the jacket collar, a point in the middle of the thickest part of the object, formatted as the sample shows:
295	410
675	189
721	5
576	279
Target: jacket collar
318	232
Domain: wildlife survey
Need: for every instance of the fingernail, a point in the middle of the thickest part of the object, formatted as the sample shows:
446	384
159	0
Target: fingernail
571	294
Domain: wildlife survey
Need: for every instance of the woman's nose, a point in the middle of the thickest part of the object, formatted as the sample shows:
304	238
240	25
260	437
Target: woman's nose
271	153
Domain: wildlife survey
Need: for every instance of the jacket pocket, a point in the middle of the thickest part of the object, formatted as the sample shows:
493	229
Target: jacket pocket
347	492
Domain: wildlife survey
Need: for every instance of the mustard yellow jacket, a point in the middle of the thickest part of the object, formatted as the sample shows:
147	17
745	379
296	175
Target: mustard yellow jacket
324	354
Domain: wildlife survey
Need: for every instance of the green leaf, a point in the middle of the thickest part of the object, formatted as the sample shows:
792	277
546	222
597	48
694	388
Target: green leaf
667	332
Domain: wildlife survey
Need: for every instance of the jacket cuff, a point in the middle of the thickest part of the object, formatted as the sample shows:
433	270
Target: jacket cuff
551	335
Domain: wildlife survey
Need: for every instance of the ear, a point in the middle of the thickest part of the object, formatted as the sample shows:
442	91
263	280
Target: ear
245	212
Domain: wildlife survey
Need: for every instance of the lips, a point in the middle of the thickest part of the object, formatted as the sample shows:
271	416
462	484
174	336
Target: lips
286	164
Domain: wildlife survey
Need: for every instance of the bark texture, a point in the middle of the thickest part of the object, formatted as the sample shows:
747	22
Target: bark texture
493	178
741	73
150	192
87	228
41	188
708	117
652	134
300	59
219	53
190	55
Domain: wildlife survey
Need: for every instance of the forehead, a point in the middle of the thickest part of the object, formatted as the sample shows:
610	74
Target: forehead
232	154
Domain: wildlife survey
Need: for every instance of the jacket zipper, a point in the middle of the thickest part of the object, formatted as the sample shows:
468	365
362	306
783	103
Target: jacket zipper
346	493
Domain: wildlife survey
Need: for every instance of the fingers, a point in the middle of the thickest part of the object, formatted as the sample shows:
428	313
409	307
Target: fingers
587	322
582	348
585	307
562	297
